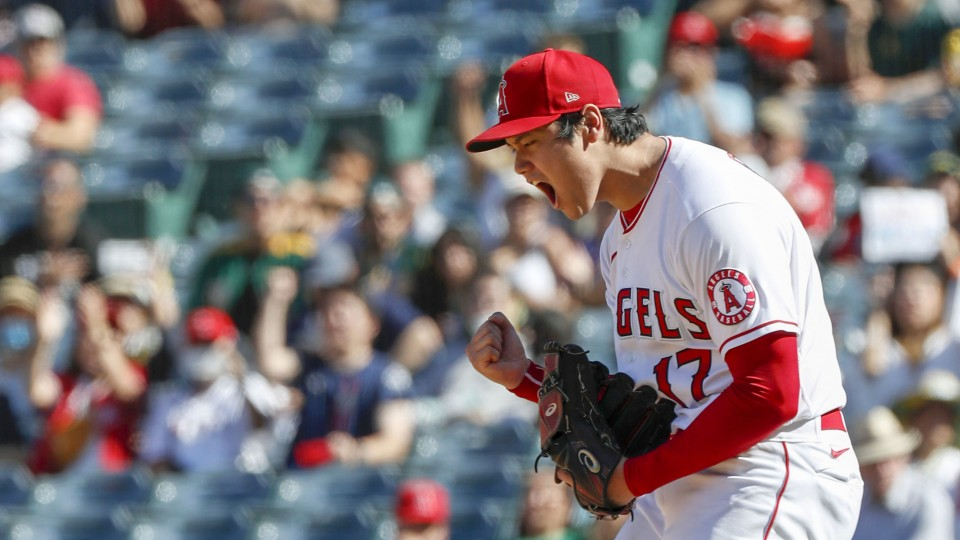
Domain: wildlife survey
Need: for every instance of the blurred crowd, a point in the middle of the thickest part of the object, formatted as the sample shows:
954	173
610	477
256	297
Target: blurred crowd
327	322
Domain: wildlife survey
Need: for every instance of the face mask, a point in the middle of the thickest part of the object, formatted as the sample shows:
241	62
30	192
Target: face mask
203	364
144	343
16	335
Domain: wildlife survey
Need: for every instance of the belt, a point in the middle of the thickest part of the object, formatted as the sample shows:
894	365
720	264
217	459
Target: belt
832	420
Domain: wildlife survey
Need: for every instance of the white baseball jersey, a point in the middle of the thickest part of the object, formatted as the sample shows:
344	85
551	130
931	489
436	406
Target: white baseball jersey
713	258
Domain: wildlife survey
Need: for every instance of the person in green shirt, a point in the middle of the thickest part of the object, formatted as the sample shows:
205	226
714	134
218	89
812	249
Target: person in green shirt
233	276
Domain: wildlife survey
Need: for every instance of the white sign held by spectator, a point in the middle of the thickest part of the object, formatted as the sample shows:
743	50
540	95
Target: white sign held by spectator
902	224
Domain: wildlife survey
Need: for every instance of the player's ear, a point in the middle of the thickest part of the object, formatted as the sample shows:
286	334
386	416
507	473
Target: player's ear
592	123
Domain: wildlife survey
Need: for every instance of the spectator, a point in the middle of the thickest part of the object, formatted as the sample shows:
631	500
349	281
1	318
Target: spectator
416	183
441	288
807	186
932	410
19	300
943	174
488	171
903	43
274	12
351	161
144	19
384	245
904	340
18	119
82	14
208	419
388	260
233	277
547	266
59	248
898	502
356	408
690	101
778	37
546	510
94	408
450	389
422	510
885	166
67	99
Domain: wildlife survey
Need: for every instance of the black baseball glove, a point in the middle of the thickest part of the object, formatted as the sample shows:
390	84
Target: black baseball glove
589	420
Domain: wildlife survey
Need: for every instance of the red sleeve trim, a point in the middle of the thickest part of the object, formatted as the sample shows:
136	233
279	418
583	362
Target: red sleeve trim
764	395
754	329
530	384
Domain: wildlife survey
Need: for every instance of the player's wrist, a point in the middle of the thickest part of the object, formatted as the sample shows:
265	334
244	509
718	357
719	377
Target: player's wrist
529	385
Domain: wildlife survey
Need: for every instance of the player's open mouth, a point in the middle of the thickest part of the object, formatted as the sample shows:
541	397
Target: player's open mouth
547	190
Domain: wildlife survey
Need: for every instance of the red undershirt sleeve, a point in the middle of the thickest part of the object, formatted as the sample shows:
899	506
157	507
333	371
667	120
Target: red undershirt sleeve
764	395
530	384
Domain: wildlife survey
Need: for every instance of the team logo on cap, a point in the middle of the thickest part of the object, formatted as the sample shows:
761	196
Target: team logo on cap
502	99
732	296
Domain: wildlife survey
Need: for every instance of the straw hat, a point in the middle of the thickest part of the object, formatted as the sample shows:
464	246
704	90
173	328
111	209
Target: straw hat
936	385
880	436
19	293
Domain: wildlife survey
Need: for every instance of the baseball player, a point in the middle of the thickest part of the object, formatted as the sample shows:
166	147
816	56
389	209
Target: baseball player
718	305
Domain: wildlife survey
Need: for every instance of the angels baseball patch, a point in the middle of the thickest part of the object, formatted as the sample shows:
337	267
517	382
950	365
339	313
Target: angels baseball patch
732	296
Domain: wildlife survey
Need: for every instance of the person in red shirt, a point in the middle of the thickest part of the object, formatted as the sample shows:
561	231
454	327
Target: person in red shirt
807	185
92	409
67	99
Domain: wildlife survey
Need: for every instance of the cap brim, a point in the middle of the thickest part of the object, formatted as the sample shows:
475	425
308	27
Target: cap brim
494	136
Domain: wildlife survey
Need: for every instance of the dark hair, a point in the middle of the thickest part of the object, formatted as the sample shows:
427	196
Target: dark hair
624	125
353	140
935	266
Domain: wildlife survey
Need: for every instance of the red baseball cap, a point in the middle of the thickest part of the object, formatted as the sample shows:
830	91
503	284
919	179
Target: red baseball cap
538	88
10	69
422	501
207	324
694	28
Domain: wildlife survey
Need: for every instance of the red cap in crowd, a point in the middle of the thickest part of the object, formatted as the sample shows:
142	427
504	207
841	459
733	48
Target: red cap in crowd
691	27
538	88
10	69
207	324
422	501
770	37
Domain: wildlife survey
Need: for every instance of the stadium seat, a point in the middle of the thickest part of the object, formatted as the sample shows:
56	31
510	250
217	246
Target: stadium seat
251	133
378	14
145	135
143	196
365	50
176	51
110	174
16	484
170	95
515	36
200	492
307	525
92	492
335	487
82	524
396	106
463	441
262	51
203	523
97	52
246	94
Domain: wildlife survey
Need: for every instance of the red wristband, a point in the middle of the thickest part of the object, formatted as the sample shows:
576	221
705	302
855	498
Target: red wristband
312	453
530	384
